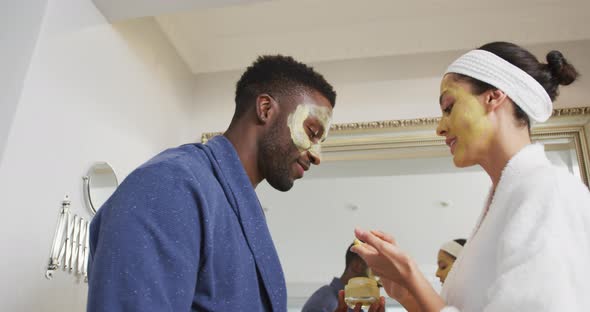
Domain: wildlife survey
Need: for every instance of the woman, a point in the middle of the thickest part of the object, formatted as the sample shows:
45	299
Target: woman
530	249
448	253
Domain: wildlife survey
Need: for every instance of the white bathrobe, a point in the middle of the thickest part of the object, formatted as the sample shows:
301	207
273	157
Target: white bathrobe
530	250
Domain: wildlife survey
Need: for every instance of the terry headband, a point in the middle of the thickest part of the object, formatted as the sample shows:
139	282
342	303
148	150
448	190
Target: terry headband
452	248
523	89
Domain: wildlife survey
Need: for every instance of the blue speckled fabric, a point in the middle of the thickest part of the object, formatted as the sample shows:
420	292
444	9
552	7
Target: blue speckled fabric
325	299
185	232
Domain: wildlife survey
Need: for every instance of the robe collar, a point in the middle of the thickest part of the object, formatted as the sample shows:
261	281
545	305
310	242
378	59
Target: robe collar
244	201
524	161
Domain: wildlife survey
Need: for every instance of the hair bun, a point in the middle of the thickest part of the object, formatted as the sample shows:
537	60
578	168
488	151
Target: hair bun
563	72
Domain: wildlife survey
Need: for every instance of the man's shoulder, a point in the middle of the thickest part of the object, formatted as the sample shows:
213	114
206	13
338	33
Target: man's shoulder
177	157
169	181
323	297
173	174
324	289
187	161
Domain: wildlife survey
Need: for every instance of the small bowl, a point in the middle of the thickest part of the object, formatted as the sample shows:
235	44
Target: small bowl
361	290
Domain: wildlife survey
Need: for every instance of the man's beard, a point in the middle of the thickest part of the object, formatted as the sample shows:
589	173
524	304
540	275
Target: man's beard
274	161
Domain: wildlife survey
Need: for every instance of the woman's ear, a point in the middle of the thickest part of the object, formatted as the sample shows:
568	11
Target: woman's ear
494	98
266	108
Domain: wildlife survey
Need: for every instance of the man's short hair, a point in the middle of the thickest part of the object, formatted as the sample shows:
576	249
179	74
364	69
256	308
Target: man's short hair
278	75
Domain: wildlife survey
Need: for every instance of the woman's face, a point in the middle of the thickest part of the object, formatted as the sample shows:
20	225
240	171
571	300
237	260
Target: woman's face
445	262
464	122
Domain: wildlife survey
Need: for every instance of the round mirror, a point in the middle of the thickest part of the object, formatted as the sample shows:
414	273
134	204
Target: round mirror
99	185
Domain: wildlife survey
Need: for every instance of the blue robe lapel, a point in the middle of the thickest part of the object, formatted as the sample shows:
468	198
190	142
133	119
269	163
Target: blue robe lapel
244	201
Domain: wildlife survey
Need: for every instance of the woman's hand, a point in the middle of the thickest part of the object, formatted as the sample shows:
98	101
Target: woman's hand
395	290
399	275
400	294
383	256
378	306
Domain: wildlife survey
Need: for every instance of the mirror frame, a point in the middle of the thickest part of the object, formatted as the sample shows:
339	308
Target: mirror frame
412	138
86	184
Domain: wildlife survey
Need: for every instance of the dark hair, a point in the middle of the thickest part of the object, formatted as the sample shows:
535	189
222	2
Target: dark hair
278	75
351	256
556	72
460	241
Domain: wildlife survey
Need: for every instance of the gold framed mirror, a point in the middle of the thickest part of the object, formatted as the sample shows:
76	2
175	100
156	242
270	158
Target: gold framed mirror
397	176
567	129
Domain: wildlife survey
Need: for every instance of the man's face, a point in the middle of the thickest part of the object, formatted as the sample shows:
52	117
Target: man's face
292	142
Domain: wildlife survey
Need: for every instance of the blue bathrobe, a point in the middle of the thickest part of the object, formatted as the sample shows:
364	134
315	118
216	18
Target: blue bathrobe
185	232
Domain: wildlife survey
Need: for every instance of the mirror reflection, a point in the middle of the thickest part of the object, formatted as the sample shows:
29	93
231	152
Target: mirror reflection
99	184
400	180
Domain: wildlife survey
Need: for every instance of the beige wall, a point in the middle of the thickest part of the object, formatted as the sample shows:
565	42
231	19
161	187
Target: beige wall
20	23
93	92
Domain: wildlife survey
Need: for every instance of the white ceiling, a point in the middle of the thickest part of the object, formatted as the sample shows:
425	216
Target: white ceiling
117	10
230	37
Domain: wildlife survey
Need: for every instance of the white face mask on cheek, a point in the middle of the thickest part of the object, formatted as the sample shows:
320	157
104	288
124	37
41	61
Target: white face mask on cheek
296	124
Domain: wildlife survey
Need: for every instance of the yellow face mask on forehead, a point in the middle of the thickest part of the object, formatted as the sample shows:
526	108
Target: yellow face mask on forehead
467	120
296	124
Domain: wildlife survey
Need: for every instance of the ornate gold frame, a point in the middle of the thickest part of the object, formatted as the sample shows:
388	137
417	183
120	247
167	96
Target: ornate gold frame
417	138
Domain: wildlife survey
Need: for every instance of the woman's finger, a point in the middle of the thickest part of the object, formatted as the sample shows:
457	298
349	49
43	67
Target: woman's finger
358	243
384	245
370	238
384	236
364	250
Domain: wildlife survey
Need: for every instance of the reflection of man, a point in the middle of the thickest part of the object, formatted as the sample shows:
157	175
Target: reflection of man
326	297
185	231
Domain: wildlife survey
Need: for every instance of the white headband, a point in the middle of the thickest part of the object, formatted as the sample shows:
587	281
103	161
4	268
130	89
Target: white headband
452	248
523	89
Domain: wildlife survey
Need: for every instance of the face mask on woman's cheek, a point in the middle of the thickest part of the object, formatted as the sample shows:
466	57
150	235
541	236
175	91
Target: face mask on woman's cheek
467	122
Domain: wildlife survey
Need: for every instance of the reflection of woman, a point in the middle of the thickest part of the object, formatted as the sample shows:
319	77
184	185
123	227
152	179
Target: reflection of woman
448	253
530	249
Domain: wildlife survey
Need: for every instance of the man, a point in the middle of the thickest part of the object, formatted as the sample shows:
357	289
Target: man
185	231
325	299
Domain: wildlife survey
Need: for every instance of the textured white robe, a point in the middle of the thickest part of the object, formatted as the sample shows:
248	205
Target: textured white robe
530	250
